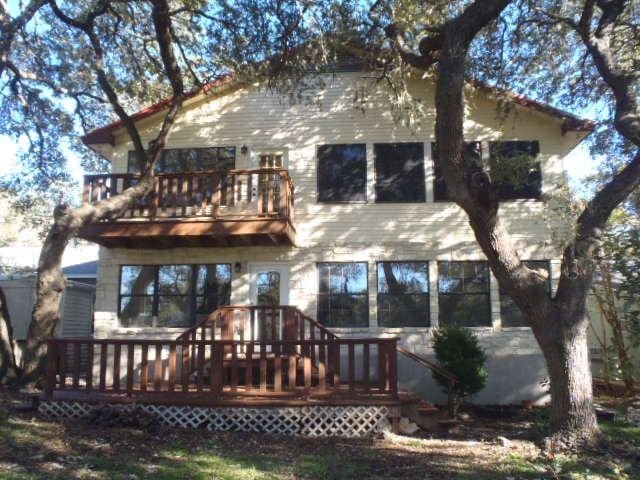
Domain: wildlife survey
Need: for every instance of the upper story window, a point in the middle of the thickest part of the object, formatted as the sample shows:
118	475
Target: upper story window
513	165
403	294
343	294
177	160
399	172
271	160
171	295
342	173
463	294
509	311
440	192
515	169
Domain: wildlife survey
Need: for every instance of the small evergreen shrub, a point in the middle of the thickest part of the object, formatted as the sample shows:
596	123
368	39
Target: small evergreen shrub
457	351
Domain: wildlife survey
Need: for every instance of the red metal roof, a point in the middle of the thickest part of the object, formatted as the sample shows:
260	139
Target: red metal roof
106	134
571	122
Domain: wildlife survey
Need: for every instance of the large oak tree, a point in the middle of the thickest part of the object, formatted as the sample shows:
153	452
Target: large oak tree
508	43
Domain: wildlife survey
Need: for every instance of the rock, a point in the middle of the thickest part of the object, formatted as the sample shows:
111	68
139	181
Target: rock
505	442
407	427
384	425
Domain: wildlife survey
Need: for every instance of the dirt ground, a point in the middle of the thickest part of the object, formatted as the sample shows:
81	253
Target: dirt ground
492	443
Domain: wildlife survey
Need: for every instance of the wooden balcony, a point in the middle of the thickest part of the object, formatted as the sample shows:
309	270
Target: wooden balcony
233	208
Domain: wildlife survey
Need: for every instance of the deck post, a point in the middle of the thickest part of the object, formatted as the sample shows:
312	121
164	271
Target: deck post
52	363
217	367
393	367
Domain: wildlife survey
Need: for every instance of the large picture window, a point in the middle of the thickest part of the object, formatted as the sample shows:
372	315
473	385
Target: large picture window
177	160
342	173
399	172
515	169
509	311
343	298
171	295
513	165
463	294
403	294
473	153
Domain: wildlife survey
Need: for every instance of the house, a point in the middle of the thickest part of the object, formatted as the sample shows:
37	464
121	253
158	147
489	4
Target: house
332	208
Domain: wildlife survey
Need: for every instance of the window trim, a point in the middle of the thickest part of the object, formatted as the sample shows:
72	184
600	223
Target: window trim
487	294
341	202
427	294
155	296
367	294
422	176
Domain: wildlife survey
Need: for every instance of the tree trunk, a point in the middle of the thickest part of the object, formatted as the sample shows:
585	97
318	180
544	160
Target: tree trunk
8	345
50	286
566	351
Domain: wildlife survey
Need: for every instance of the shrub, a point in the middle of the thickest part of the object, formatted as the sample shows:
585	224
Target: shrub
457	351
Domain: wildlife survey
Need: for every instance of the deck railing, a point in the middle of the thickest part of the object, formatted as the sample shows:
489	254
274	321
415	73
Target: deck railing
222	367
233	194
258	323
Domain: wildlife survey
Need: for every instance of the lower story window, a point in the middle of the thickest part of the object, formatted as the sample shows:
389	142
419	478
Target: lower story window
171	295
509	312
403	294
463	294
343	295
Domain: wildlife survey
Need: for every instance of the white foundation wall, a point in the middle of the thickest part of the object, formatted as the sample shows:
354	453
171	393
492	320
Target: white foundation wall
366	231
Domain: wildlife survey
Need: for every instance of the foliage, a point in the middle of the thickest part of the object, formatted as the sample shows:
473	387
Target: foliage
617	294
457	351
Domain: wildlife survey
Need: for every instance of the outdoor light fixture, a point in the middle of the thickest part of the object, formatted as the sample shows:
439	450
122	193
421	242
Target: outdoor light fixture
244	149
237	267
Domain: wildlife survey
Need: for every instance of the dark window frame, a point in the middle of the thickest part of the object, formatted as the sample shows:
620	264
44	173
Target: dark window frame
156	295
365	324
423	182
505	296
364	179
440	193
426	294
486	294
519	192
131	159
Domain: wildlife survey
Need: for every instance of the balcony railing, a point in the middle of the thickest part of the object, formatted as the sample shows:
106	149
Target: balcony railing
235	207
230	194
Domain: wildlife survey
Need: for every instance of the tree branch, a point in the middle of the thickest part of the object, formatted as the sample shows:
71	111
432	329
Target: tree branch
87	26
9	28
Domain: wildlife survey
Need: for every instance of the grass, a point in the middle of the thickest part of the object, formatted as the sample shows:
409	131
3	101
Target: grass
33	448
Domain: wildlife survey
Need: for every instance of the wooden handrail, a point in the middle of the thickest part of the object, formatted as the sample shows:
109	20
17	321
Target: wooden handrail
209	323
241	193
452	379
427	364
133	367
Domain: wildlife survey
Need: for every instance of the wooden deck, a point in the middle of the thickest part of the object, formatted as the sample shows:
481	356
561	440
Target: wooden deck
238	356
232	208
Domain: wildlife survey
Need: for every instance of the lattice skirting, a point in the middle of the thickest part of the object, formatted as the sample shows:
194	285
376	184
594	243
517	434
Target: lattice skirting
311	421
